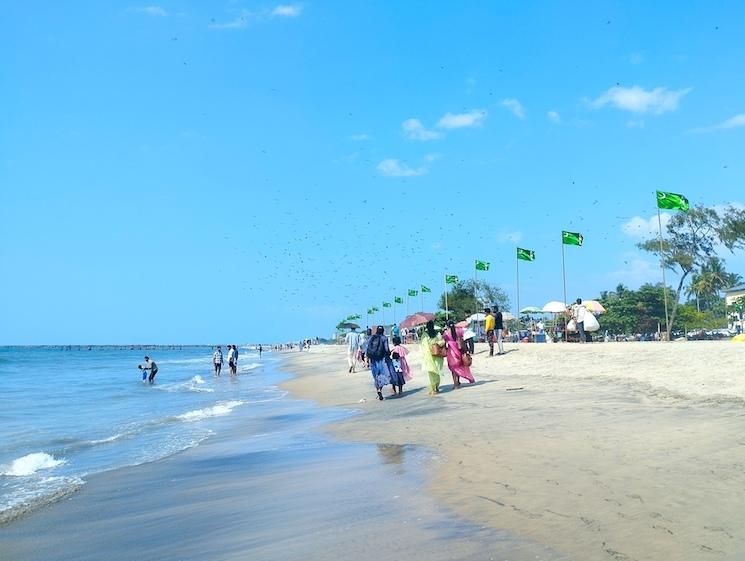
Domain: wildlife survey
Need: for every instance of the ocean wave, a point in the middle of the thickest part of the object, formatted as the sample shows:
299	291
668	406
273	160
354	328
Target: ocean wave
45	490
113	438
195	384
249	366
30	464
218	410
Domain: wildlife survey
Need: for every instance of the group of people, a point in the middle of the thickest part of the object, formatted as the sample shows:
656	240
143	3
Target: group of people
217	360
388	364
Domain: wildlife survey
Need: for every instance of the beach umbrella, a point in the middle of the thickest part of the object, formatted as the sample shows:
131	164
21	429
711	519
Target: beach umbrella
531	310
476	317
555	307
507	316
594	306
418	318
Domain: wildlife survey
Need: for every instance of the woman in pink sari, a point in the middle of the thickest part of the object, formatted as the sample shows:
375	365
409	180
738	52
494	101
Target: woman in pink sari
453	335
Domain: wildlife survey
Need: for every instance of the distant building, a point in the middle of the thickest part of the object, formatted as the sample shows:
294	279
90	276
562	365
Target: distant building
732	294
737	319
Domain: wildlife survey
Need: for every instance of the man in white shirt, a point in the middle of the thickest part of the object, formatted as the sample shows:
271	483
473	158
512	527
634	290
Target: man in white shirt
353	345
579	318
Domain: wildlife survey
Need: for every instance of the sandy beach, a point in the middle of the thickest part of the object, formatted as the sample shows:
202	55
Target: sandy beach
622	451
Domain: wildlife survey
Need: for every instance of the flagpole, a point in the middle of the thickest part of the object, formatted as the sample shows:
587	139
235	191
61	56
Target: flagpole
664	282
564	278
517	269
447	317
421	295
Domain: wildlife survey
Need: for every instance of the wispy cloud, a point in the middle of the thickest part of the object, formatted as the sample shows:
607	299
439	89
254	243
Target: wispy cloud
515	106
360	137
731	123
473	118
645	228
391	167
150	10
638	100
287	10
635	271
554	117
246	17
509	236
414	129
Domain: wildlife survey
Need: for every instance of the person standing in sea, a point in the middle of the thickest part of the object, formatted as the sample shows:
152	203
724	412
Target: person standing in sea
217	360
352	340
432	363
231	355
235	360
455	351
152	367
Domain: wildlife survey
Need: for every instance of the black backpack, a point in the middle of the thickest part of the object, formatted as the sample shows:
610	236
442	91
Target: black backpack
376	347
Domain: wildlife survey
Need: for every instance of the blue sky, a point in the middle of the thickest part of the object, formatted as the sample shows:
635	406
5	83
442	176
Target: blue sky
242	171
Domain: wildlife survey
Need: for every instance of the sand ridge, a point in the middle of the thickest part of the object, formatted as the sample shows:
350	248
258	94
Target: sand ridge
624	451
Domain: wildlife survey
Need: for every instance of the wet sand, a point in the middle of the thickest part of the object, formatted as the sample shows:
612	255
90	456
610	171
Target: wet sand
621	451
267	486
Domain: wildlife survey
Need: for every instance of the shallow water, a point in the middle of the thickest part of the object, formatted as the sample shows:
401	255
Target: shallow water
266	485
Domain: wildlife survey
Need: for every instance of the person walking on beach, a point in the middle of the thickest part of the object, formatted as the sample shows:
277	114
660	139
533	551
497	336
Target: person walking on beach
352	340
378	353
260	349
430	341
398	354
578	313
364	340
217	360
459	366
499	329
152	367
489	329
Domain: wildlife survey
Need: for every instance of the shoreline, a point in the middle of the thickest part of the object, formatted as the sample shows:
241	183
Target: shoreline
259	487
611	451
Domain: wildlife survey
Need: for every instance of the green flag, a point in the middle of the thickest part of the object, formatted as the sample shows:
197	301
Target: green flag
413	292
672	201
370	312
482	265
425	289
386	304
451	279
525	254
398	300
374	309
356	317
571	238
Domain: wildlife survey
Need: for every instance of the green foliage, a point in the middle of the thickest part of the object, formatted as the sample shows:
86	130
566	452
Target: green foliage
469	297
690	243
642	311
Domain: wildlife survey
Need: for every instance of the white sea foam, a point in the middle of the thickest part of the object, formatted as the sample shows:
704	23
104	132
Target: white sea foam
30	464
249	366
117	436
218	410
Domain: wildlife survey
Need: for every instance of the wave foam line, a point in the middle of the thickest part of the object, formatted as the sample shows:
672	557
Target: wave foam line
30	464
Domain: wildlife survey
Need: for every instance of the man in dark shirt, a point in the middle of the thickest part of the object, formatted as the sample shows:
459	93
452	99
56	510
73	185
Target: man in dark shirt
499	329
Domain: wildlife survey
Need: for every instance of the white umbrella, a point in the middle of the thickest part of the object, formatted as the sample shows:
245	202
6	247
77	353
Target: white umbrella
476	317
555	307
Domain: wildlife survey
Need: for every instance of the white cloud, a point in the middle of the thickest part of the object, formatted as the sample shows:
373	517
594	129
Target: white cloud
554	117
635	272
638	100
287	10
239	22
473	118
151	11
391	167
515	106
245	17
512	237
731	123
642	228
414	129
360	137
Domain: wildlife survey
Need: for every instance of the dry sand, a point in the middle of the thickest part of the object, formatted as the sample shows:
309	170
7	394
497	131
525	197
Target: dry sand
623	451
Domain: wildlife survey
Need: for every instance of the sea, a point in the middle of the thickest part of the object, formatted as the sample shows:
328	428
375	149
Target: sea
70	412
